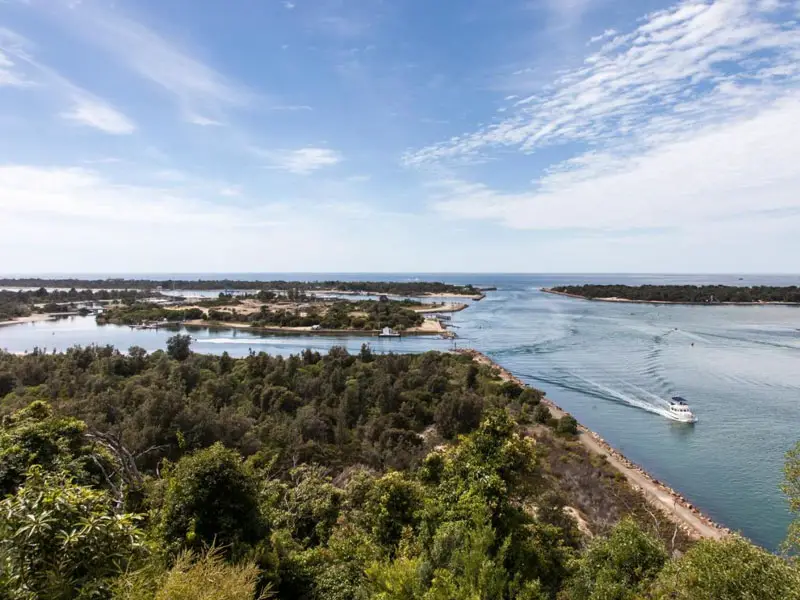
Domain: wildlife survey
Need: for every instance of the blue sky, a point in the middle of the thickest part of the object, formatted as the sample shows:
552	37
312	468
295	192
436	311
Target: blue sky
405	135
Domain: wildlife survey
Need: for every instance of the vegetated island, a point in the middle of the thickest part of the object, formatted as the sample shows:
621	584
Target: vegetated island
393	288
295	312
289	310
327	476
41	304
682	294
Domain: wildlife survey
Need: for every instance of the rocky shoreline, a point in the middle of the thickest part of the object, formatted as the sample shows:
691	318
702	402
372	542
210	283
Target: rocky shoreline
664	498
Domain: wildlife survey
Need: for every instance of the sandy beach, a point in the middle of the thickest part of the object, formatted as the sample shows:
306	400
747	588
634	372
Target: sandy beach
475	297
29	319
428	327
658	495
447	307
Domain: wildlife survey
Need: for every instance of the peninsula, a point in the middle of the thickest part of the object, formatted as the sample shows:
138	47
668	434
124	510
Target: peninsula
28	305
296	313
324	308
682	294
393	288
657	495
348	471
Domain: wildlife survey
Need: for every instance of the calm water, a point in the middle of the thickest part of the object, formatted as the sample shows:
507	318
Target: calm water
611	365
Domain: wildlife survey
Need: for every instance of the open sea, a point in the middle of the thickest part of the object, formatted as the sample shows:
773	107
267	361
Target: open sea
611	365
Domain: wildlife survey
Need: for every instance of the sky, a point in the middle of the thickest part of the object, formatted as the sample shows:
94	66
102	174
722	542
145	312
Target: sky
146	136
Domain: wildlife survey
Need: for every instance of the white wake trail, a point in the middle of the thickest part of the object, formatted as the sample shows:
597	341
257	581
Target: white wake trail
632	400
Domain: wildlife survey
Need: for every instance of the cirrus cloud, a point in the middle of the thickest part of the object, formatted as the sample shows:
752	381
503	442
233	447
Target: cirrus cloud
86	108
302	161
697	63
743	170
692	118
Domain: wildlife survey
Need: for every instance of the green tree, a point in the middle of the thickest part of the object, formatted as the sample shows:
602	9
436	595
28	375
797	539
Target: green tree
472	376
34	436
179	346
60	540
7	383
791	487
211	500
209	578
470	562
541	414
567	425
203	576
458	413
395	580
494	464
307	505
618	567
731	569
393	505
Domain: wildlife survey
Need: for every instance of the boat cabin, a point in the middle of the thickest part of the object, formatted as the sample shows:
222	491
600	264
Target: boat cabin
680	408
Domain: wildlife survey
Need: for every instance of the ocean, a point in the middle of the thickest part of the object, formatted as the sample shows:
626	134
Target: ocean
611	365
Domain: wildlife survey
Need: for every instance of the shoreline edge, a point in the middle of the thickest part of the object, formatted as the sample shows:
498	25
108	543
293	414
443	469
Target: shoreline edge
668	501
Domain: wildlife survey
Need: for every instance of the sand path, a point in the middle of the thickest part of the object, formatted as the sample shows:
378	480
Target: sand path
30	319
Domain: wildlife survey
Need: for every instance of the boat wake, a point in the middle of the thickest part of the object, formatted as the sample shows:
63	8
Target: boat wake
637	398
251	341
628	393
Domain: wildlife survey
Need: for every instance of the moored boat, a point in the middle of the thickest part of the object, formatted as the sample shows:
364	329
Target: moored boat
388	332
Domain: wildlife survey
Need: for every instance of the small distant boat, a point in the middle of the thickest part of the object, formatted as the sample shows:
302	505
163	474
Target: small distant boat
388	332
680	411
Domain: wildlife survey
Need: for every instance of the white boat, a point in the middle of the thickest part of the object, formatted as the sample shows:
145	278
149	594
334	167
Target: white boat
680	411
388	332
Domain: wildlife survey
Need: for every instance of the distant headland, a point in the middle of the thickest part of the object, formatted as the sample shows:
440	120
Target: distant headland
385	309
682	294
392	288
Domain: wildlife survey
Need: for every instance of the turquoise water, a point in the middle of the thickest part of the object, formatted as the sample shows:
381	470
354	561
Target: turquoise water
611	365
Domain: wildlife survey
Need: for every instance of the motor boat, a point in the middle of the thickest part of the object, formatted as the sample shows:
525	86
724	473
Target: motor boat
680	411
388	332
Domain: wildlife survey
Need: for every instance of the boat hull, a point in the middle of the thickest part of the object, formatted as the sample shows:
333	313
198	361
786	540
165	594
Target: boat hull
683	418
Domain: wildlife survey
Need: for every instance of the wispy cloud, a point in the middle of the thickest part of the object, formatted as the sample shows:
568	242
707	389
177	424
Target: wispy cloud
202	121
737	171
82	193
86	108
170	227
692	65
9	75
93	112
300	162
202	93
291	107
691	118
608	33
